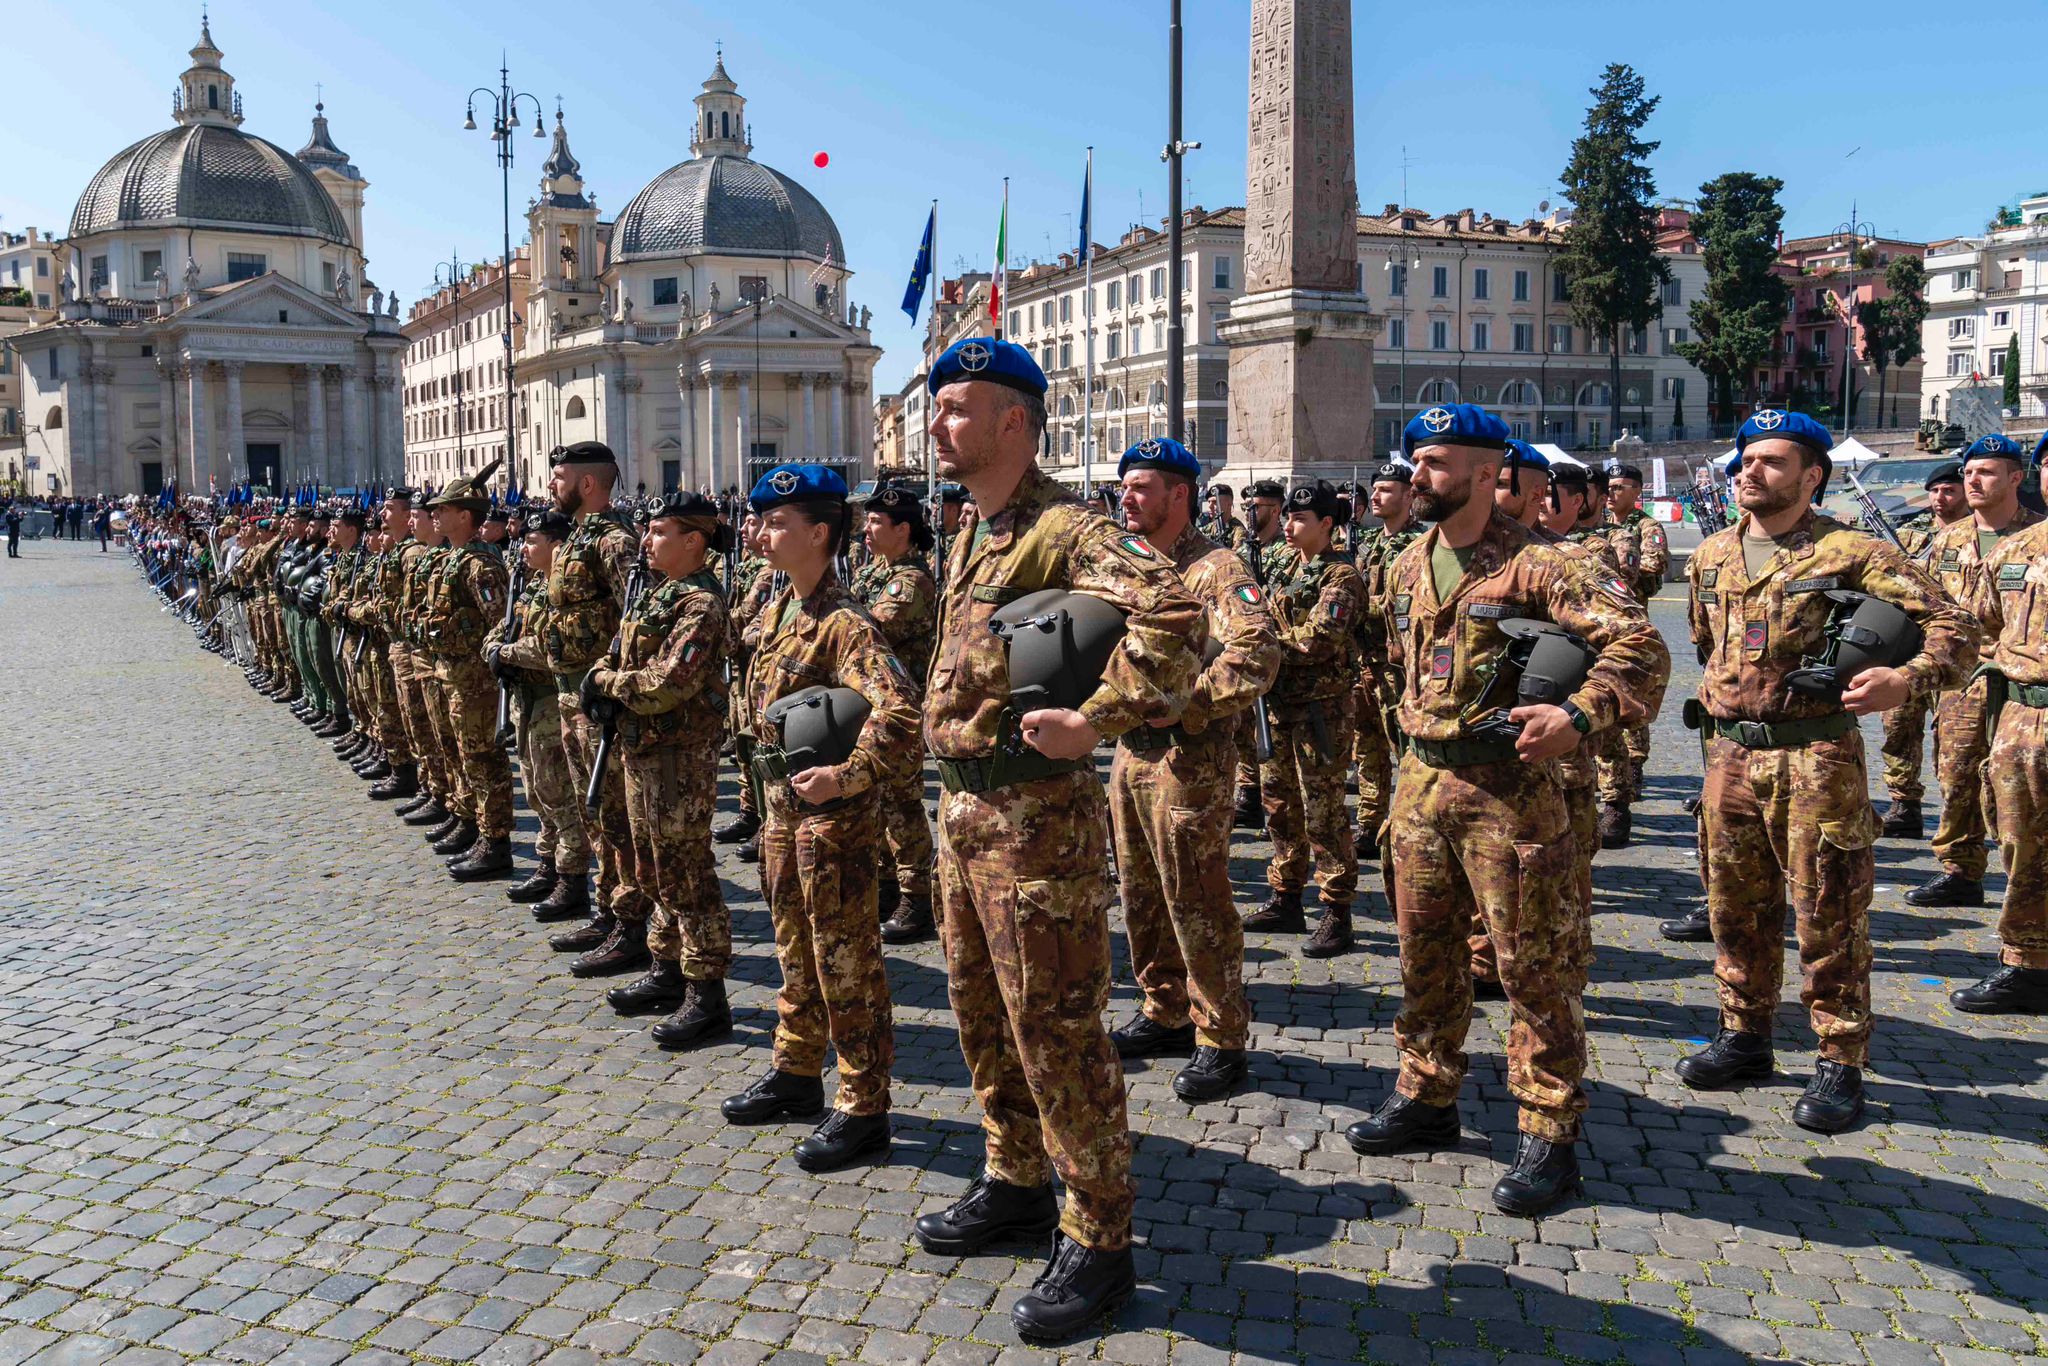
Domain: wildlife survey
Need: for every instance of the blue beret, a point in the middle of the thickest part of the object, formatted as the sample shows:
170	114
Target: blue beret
1525	456
989	358
1996	446
1160	453
1775	424
1454	424
796	484
2041	448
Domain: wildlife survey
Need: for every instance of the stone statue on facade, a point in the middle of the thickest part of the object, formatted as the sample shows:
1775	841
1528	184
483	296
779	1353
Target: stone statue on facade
714	296
865	314
344	286
191	276
392	312
625	306
160	283
68	286
688	310
376	300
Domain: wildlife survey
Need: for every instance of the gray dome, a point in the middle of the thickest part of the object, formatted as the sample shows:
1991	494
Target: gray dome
725	205
207	175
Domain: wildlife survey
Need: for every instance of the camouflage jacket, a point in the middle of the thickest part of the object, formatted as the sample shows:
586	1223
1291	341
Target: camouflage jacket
1044	537
903	600
379	607
1750	635
587	590
525	651
1227	532
1642	551
1317	604
1598	545
670	652
1953	557
1916	533
2010	598
465	598
417	565
1239	621
1377	551
826	640
1454	646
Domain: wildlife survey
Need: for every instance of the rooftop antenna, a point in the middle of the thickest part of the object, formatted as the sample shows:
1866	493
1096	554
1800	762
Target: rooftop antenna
1406	162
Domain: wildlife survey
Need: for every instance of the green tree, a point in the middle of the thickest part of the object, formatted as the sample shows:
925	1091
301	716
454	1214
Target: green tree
1891	325
1736	321
2012	372
1609	257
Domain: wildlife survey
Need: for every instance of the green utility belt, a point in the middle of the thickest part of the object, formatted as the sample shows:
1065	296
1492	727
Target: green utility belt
2027	694
571	682
770	765
1153	739
1003	769
1770	734
1462	753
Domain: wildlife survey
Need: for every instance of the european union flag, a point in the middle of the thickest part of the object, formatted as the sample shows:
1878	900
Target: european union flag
921	268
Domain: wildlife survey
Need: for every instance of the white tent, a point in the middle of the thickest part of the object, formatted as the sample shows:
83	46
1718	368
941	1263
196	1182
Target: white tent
1556	455
1849	453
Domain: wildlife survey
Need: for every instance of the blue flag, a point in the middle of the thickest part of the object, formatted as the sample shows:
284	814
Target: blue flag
921	268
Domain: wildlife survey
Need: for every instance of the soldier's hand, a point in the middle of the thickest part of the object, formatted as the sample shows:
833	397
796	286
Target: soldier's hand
1058	733
1546	732
817	785
1875	689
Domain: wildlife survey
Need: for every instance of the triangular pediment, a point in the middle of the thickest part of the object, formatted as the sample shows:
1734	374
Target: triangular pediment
258	302
668	443
779	317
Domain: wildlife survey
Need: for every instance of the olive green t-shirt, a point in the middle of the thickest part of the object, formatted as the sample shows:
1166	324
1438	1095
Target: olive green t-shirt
1757	552
1447	564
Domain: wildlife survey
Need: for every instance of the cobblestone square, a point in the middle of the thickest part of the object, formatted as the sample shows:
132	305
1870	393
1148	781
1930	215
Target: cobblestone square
273	1089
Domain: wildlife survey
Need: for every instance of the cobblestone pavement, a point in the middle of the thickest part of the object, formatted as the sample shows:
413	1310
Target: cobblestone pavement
273	1089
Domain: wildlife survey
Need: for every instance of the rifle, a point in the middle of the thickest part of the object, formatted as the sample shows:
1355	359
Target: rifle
593	799
1262	729
1874	520
506	636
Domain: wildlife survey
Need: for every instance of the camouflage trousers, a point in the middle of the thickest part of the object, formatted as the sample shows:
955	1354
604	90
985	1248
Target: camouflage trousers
440	724
1373	752
286	662
1905	735
322	646
908	831
411	670
1582	806
608	832
1025	898
1799	817
1490	838
669	794
2019	779
1170	811
1960	754
1247	753
544	768
1303	791
818	874
1618	749
473	727
387	721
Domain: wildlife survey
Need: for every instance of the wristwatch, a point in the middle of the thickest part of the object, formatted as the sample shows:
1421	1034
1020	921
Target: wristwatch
1581	722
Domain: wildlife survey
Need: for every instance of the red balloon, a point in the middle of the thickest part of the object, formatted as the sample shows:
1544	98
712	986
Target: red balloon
821	160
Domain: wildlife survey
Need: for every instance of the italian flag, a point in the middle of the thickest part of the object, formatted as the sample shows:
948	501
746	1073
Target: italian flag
998	284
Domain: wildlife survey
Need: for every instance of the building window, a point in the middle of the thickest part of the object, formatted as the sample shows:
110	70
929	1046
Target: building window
1134	290
1066	353
1138	340
1066	308
1045	314
1966	278
1219	432
1482	336
1222	276
665	292
2001	317
1439	335
1115	344
43	267
1016	321
1560	339
1437	391
1113	294
1672	294
1159	282
1560	289
1397	333
1674	386
1675	337
1961	327
327	276
98	276
1397	281
1525	337
1440	282
1481	282
1521	286
1518	392
152	265
1959	363
1997	362
246	265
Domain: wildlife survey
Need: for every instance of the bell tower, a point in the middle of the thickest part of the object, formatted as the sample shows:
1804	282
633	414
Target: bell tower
562	224
336	173
721	127
206	93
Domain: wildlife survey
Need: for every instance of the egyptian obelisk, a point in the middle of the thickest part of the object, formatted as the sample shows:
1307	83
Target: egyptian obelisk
1301	395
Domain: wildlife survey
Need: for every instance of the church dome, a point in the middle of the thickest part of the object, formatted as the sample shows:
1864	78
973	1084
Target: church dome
208	175
725	205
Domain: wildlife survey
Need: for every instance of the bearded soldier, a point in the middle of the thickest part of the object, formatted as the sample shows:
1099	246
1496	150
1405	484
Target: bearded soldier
1905	726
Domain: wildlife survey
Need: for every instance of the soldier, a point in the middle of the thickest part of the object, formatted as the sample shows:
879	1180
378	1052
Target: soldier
1317	602
756	585
1379	683
1479	816
1905	726
1993	468
2009	594
1786	797
1171	799
666	674
1221	525
496	532
1022	874
373	611
446	814
822	828
1645	555
901	597
1262	552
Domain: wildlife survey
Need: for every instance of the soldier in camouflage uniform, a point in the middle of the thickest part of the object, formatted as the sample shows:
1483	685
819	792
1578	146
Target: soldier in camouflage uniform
1905	726
822	828
519	661
1317	603
1379	683
1993	467
2008	592
1264	546
371	612
440	794
901	597
1787	800
666	673
1479	815
1644	553
1220	525
758	583
1171	799
1022	874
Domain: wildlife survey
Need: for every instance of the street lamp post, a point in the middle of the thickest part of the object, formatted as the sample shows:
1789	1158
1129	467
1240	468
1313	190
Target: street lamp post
453	266
503	104
1854	231
1176	148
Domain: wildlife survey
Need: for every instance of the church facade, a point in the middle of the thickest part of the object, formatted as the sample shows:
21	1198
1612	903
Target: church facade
216	323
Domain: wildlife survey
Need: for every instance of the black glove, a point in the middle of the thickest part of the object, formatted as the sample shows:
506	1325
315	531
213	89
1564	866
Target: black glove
595	704
494	661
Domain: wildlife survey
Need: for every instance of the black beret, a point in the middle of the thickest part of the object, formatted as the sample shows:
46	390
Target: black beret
898	504
356	518
1599	478
1573	476
1266	488
1627	472
1394	472
682	503
1319	499
953	493
553	524
1947	472
498	513
400	493
583	453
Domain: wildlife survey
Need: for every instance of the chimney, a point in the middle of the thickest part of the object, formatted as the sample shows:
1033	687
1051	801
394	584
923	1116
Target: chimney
1392	210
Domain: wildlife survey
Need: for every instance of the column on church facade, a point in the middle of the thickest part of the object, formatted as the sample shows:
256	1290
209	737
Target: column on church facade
234	454
694	475
810	394
316	421
721	477
835	412
388	465
167	415
629	425
348	470
98	476
745	453
199	410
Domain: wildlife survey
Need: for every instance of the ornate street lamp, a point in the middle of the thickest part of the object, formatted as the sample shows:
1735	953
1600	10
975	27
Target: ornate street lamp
503	104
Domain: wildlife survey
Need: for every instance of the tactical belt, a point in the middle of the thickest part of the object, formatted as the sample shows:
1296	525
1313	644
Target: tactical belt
1152	739
1779	734
1003	769
2027	694
771	765
1462	753
571	682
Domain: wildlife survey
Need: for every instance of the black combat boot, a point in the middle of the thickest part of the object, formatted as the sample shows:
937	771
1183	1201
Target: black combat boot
1950	889
569	899
749	852
1488	989
2009	991
1734	1056
402	782
623	950
430	812
843	1140
990	1210
1615	825
1902	821
1366	848
487	858
1833	1099
912	922
375	770
779	1095
1079	1287
1401	1123
1211	1075
1333	932
660	988
333	728
888	896
1145	1037
457	841
703	1016
1543	1174
1251	812
585	937
536	886
1694	927
1282	914
739	829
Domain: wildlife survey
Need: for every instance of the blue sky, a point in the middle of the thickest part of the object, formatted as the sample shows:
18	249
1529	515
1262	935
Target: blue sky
1890	106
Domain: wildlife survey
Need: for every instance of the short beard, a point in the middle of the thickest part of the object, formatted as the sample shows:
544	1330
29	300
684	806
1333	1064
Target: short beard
569	504
1432	506
1764	503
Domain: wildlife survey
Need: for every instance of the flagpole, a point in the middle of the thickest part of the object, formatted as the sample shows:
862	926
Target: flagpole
999	280
1088	317
931	458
